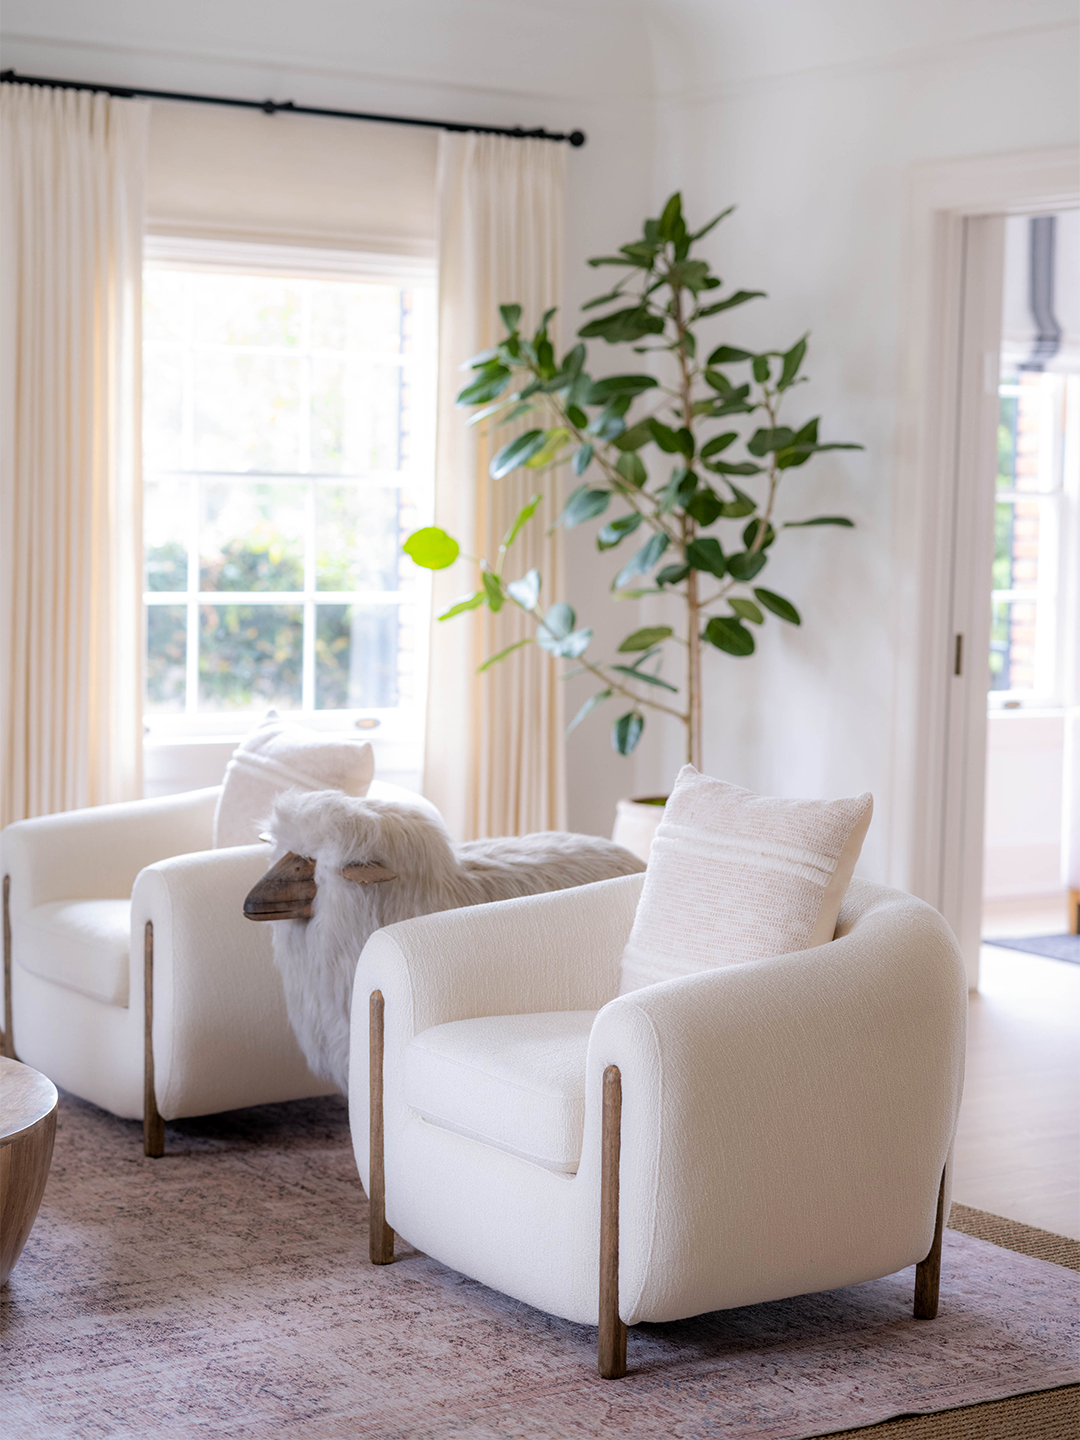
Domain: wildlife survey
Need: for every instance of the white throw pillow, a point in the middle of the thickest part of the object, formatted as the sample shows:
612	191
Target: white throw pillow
276	757
734	876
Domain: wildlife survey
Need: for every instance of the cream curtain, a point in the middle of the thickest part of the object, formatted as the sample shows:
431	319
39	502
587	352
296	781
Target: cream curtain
71	201
494	742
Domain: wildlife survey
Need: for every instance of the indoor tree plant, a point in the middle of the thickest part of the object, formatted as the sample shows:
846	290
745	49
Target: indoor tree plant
659	449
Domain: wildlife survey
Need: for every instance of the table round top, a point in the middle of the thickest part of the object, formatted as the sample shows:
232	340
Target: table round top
26	1097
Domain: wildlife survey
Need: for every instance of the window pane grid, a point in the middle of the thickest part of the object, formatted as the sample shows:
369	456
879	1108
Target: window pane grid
223	606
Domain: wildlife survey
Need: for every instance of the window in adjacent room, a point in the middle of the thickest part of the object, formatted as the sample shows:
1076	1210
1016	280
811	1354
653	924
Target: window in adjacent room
288	448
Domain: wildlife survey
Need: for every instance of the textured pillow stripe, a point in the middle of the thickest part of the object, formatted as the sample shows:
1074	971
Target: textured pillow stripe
734	876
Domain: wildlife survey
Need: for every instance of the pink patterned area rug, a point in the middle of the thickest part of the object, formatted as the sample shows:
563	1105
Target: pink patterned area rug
224	1291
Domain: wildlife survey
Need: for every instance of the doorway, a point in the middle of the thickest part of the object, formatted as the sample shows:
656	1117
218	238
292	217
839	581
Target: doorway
1031	843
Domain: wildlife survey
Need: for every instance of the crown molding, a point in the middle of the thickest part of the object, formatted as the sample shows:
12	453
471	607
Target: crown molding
913	57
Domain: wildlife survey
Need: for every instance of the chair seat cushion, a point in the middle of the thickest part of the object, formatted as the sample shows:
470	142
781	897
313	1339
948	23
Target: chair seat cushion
83	945
513	1081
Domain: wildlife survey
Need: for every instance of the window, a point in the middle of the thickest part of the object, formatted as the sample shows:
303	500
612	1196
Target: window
1038	445
287	445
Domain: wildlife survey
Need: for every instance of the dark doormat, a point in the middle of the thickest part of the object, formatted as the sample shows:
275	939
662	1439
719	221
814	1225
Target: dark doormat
1052	947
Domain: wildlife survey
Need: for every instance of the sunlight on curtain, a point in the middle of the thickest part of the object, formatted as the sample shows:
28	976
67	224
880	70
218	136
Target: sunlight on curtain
494	743
73	168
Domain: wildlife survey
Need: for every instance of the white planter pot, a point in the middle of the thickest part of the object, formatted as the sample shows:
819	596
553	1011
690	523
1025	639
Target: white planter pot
636	822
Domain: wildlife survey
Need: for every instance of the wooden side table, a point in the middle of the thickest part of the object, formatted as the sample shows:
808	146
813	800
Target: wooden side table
27	1131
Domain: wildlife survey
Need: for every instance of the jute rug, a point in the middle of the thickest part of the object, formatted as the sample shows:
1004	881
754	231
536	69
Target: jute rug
225	1291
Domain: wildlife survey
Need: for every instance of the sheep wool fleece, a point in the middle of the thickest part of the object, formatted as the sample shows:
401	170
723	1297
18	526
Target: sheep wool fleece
317	957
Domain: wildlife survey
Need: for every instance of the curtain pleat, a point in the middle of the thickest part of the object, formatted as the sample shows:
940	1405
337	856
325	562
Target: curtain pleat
494	742
72	175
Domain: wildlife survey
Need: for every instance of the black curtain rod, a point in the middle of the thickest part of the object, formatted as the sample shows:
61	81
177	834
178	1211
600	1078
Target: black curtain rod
289	107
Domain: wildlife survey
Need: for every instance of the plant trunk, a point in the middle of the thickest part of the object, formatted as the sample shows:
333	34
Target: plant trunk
693	671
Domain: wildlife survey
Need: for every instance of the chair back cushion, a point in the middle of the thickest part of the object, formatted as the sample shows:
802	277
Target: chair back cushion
276	757
734	876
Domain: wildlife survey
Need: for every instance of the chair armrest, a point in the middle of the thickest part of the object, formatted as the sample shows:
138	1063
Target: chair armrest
95	854
806	1101
555	951
222	1038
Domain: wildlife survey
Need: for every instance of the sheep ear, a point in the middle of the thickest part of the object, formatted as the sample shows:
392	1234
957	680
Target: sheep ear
368	874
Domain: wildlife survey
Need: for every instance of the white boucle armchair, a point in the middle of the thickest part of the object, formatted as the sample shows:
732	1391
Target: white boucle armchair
752	1132
131	976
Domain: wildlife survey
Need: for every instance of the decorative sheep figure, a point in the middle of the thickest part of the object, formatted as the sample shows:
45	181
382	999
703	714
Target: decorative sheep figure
376	862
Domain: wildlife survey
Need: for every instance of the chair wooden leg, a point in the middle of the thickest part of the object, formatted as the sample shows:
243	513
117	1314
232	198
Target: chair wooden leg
1074	912
611	1346
7	1039
380	1235
153	1124
928	1271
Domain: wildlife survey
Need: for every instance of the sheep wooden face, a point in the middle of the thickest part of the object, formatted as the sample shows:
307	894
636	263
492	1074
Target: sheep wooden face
287	891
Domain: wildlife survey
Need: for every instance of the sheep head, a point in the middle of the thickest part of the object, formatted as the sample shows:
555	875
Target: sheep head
287	891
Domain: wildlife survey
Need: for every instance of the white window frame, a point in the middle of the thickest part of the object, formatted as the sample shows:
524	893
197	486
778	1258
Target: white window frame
401	727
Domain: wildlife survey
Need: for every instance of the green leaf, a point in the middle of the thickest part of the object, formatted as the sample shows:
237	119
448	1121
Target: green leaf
705	507
763	441
626	732
616	531
729	355
605	390
750	534
587	708
634	437
583	504
559	620
526	591
432	548
663	435
488	411
642	639
746	609
698	234
554	440
623	327
793	358
557	635
744	567
520	449
643	561
820	520
779	606
511	415
470	602
684	442
738	509
740	297
678	491
492	381
718	443
672	214
577	416
511	316
582	458
726	467
493	590
647	679
615	294
524	515
672	574
689	273
613	260
494	659
761	369
705	554
632	470
730	635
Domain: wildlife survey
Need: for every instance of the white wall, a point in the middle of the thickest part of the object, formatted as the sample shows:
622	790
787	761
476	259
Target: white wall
812	118
810	114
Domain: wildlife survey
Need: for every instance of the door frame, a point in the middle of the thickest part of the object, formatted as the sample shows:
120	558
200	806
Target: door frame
940	551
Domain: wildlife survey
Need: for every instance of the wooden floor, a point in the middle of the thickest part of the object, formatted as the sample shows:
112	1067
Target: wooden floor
1018	1144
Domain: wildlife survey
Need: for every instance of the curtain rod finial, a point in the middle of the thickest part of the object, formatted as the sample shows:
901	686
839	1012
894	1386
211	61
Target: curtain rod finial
577	138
